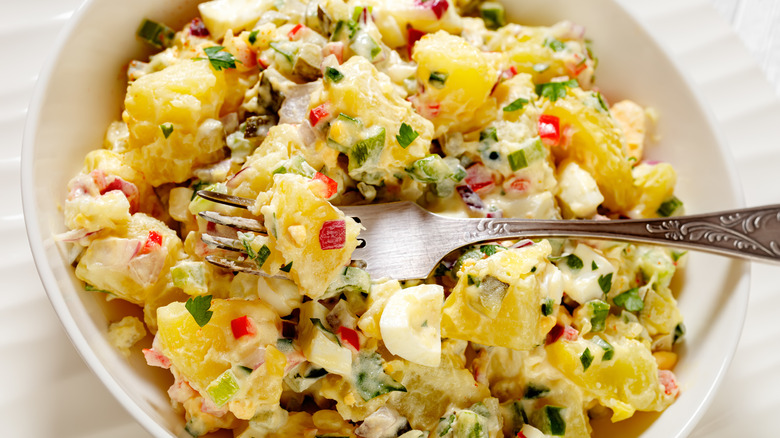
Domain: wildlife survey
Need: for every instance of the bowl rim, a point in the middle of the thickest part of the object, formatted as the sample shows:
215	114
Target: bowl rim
79	341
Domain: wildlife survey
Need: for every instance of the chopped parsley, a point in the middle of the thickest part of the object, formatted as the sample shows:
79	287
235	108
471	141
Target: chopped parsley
199	309
609	350
593	266
333	74
548	305
553	91
286	268
167	129
406	135
156	34
437	79
605	282
600	311
253	36
517	104
630	300
219	58
573	262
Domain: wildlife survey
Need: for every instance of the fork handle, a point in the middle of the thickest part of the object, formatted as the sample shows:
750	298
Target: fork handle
750	233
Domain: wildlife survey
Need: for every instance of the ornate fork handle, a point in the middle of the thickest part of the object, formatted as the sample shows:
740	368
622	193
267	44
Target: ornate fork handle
751	233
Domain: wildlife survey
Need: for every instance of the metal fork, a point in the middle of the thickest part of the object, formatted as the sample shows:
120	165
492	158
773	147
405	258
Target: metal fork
402	240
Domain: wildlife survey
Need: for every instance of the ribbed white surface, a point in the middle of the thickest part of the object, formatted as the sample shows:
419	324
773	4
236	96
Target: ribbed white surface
47	390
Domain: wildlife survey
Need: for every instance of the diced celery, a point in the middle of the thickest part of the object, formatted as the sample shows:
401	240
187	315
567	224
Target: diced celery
429	169
199	204
492	14
284	48
530	151
156	34
190	276
468	424
351	280
223	388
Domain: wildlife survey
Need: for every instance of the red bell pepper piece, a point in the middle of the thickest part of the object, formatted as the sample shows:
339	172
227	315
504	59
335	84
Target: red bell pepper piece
153	241
549	129
294	32
331	186
413	35
333	235
350	337
243	325
318	114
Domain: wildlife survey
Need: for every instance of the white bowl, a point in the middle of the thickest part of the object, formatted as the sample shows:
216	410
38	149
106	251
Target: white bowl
81	91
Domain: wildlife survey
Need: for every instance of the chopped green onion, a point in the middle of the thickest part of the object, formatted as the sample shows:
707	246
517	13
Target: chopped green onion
541	68
286	268
437	79
677	255
333	74
253	36
602	102
593	266
156	34
630	300
472	280
406	135
429	169
555	422
365	149
609	350
223	388
370	377
547	306
492	14
529	152
489	135
533	391
669	207
166	129
278	49
554	44
599	311
90	288
343	116
586	358
553	91
199	309
517	104
605	282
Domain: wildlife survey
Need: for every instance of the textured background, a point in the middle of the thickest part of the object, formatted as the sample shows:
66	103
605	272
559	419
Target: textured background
48	391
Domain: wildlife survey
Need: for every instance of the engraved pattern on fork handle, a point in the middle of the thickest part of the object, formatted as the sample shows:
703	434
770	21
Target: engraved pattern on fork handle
726	231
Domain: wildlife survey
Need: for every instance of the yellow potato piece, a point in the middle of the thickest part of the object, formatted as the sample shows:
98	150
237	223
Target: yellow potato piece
185	97
625	383
466	77
655	185
518	323
597	145
294	204
263	387
201	354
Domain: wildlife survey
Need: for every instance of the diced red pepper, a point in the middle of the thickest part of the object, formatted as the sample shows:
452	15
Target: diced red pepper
479	178
413	35
520	434
549	129
331	186
335	48
198	29
318	114
333	234
153	241
156	359
570	333
242	326
438	7
509	73
294	32
519	184
350	337
669	381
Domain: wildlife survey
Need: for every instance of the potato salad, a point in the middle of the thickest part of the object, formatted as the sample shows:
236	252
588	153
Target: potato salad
305	106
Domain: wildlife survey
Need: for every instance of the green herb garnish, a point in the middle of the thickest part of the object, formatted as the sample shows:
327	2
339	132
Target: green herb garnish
630	300
600	311
605	282
517	104
156	34
406	135
286	268
554	44
333	74
437	79
586	358
547	306
167	129
219	58
669	207
253	36
553	91
573	262
199	309
609	350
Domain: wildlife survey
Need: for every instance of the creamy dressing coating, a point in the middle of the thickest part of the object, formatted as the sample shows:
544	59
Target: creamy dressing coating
308	106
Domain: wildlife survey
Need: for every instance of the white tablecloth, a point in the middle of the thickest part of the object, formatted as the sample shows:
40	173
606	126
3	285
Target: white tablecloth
48	391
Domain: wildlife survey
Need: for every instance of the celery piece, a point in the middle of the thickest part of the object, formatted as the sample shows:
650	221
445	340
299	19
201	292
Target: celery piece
223	388
530	151
190	276
156	34
492	14
370	378
429	169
